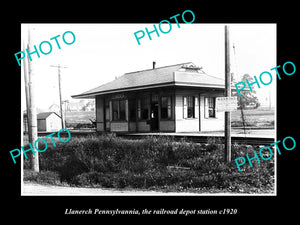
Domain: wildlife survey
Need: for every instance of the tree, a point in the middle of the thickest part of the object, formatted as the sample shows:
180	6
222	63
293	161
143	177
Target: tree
247	97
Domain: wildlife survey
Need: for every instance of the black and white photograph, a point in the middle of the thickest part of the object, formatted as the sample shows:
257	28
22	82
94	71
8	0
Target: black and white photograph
148	116
138	112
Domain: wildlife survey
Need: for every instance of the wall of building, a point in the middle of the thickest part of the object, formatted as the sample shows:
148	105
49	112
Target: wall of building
185	124
199	123
100	126
53	123
177	123
113	126
210	124
41	125
167	126
132	126
143	126
119	126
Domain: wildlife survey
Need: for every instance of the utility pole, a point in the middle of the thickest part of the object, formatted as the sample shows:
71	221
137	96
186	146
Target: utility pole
60	98
32	117
26	92
228	94
65	102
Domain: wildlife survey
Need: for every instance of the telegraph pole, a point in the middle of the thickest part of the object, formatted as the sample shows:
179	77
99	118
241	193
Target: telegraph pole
228	94
60	98
26	93
32	117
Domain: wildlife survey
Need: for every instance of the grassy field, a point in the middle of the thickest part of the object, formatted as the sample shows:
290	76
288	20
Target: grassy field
80	117
154	163
254	118
79	120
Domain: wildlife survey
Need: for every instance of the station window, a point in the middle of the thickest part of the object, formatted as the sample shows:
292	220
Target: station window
166	107
119	109
210	107
190	107
143	108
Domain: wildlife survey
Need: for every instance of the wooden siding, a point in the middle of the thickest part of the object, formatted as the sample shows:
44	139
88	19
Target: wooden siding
177	122
51	123
132	126
167	126
210	124
143	126
185	124
42	125
119	126
100	126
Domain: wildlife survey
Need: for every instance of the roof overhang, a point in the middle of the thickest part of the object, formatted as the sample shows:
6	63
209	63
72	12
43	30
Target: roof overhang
169	84
93	94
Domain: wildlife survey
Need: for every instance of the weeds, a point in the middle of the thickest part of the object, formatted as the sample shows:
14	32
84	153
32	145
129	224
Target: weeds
155	162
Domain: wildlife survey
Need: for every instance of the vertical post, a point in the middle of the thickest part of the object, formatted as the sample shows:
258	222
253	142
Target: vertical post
228	94
32	117
26	93
60	99
60	95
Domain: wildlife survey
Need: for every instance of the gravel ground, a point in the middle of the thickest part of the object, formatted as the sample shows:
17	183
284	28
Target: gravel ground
30	188
44	189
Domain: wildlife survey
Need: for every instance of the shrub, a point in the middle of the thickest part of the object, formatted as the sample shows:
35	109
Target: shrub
109	161
105	180
48	177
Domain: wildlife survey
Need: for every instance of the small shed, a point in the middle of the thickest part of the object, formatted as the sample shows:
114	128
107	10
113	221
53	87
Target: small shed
48	121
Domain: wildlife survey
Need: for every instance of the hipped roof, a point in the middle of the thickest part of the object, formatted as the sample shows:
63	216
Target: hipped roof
173	75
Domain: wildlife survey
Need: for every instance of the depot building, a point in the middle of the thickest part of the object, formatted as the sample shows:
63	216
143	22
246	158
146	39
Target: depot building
175	98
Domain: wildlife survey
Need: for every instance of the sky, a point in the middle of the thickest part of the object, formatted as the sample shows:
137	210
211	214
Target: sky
102	52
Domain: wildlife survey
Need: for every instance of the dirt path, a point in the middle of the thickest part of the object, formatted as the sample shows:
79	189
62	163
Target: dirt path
39	189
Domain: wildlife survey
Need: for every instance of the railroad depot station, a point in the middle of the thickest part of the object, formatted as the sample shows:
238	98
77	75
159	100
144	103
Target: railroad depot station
175	98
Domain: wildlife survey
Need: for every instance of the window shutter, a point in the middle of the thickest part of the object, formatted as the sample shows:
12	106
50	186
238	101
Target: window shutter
196	103
169	108
215	111
185	107
206	113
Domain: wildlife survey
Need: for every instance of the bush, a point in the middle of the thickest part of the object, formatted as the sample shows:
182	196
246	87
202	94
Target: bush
109	161
48	177
94	178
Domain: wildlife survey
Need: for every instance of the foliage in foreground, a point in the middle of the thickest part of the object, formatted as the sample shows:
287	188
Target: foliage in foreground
154	162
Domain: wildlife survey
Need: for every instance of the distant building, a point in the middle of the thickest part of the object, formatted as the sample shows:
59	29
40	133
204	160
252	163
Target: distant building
48	121
175	98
